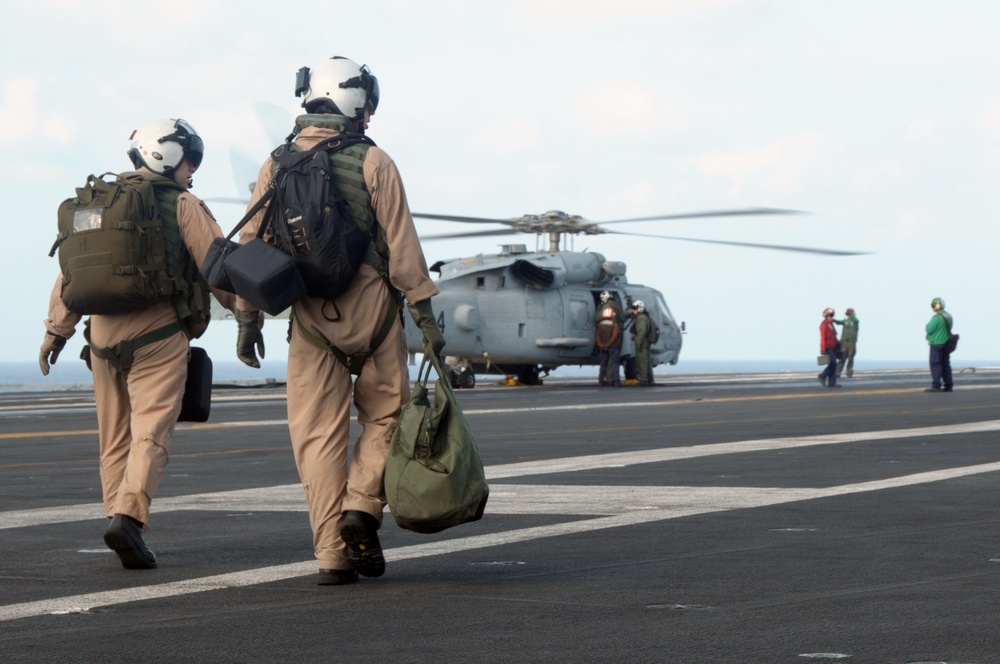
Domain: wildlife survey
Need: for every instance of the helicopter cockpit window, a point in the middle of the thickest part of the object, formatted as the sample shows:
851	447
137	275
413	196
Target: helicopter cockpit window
663	307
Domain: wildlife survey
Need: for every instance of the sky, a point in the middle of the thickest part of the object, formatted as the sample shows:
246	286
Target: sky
879	119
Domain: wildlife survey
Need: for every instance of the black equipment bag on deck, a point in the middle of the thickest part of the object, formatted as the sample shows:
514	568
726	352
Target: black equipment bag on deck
197	403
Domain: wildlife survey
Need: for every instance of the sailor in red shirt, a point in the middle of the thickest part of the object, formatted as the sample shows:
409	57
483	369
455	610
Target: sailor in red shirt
828	344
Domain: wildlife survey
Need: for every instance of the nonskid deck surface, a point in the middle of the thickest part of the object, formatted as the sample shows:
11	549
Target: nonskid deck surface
712	518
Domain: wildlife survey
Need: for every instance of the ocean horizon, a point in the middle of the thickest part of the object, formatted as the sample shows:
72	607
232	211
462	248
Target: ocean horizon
72	374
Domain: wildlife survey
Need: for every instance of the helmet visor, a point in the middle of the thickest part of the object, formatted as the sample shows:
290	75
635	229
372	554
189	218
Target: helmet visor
368	83
373	93
194	150
189	140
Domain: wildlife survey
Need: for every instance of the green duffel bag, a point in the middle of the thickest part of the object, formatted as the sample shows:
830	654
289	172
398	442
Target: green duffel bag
434	478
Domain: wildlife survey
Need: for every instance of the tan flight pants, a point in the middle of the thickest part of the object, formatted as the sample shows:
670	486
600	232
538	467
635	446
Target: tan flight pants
136	418
319	421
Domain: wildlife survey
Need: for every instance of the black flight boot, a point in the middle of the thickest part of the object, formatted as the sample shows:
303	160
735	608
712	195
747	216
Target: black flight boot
124	537
359	530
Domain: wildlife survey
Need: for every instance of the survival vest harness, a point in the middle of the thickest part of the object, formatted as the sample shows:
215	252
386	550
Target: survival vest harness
322	216
608	332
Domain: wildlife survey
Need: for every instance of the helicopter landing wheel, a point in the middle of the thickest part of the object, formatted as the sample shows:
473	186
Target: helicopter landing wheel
466	379
528	374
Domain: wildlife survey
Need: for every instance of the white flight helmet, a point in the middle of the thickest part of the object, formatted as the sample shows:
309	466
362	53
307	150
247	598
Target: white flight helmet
605	296
162	145
639	306
338	85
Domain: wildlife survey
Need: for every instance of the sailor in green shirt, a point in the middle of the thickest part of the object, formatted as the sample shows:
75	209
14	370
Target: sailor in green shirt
848	342
938	333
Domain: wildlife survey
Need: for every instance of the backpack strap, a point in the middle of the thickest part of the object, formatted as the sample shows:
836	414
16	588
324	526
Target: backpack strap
221	248
122	353
354	363
348	167
261	202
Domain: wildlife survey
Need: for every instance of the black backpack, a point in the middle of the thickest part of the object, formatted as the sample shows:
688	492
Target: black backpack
311	223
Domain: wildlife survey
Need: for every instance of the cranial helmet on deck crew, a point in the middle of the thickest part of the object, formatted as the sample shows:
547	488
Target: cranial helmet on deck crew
850	311
605	296
639	306
338	85
937	303
828	312
162	145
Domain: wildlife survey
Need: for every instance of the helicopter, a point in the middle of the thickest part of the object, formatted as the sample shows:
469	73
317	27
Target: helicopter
525	313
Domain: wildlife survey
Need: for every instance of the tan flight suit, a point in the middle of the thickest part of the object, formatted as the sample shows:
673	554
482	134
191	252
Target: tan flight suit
136	414
319	385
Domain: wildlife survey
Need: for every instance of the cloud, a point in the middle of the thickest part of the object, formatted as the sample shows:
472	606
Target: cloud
642	193
876	176
920	130
991	117
632	107
123	17
518	134
566	15
780	166
21	121
17	110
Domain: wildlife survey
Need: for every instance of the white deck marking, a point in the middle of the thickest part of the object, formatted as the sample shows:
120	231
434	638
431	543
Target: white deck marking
289	497
611	507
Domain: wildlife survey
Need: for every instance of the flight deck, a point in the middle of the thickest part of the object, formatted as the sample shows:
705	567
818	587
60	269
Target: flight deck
711	518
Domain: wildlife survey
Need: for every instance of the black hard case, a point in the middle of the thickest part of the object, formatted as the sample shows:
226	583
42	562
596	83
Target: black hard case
197	403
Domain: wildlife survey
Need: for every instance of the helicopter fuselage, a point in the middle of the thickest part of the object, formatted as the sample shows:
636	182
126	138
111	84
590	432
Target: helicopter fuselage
519	312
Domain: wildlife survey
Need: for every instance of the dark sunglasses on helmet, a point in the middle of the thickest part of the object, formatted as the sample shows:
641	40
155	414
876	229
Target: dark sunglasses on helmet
184	135
368	83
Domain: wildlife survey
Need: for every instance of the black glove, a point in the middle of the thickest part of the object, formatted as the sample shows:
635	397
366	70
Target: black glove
51	347
249	335
423	314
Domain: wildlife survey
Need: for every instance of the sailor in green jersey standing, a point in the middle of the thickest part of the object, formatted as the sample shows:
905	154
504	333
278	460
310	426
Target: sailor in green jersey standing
938	334
848	343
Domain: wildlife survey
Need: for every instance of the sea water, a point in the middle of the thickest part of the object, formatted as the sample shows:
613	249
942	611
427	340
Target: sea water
72	374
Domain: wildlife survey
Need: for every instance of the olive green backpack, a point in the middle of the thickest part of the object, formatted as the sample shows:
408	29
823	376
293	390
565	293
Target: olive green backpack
118	252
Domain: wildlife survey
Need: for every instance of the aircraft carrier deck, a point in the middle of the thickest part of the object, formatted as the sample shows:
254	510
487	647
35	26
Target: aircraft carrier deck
712	518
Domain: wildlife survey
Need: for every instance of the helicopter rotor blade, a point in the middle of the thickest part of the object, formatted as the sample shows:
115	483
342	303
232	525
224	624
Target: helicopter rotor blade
448	236
753	245
739	212
244	170
471	220
227	199
276	121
